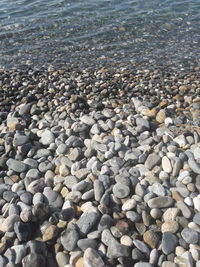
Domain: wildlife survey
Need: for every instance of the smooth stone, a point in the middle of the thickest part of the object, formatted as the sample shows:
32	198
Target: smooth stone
169	243
151	238
98	190
69	239
196	218
129	204
52	198
49	233
33	173
153	258
141	246
87	221
196	201
157	189
15	254
190	236
126	241
36	186
8	224
133	216
169	264
47	137
85	243
185	260
22	230
34	260
120	190
152	160
16	165
166	165
160	202
143	264
92	258
184	209
170	226
62	259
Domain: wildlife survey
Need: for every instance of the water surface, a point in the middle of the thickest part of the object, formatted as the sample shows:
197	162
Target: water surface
86	32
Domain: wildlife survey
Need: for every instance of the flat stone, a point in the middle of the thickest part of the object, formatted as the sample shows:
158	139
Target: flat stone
170	226
52	198
120	190
160	202
184	209
151	238
69	239
13	123
169	243
166	164
50	233
22	230
16	165
190	236
196	218
169	264
47	137
86	243
141	246
143	264
92	258
34	259
129	204
87	221
196	201
15	254
152	160
62	259
157	189
8	224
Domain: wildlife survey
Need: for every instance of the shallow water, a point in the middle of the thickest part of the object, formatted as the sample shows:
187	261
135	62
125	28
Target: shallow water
41	32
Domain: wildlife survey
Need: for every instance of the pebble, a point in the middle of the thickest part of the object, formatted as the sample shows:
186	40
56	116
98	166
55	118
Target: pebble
169	243
166	165
69	239
47	137
120	190
92	258
152	160
160	202
16	165
190	236
91	175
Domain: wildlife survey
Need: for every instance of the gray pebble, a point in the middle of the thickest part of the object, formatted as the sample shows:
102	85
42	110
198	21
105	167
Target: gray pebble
190	236
169	243
120	190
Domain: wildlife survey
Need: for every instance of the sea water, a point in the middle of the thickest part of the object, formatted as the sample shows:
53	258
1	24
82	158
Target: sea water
91	32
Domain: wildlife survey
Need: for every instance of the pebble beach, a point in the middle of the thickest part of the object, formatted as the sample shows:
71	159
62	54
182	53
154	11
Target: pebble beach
99	167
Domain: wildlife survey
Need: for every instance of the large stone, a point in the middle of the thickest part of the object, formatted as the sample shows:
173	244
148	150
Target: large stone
160	202
92	258
152	160
169	243
69	239
47	137
16	165
190	236
87	221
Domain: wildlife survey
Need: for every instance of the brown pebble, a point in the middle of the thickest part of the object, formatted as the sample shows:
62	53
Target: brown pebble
151	238
177	196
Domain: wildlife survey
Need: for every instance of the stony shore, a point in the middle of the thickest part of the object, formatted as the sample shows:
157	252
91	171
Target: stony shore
99	168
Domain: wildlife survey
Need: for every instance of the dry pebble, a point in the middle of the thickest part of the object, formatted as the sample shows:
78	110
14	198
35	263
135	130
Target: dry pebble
99	168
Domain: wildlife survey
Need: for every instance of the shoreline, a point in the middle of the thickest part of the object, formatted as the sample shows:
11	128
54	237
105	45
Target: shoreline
100	167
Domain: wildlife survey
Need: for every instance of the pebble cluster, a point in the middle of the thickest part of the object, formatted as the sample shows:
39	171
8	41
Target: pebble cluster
99	168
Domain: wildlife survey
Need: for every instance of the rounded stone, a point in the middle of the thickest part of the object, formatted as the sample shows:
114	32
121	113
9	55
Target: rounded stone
121	190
